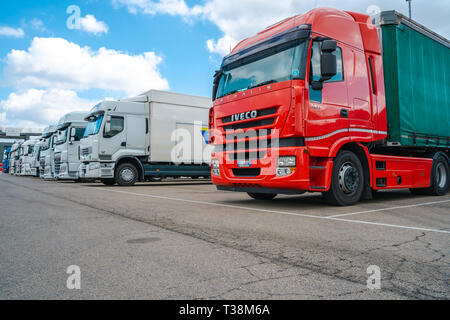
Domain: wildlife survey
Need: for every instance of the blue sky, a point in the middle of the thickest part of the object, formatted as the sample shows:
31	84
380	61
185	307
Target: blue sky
47	69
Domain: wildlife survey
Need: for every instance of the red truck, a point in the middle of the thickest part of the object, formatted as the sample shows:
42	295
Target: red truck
334	102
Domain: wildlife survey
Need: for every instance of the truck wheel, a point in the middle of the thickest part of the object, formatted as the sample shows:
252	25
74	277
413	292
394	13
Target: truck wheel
108	182
440	173
126	174
262	196
347	180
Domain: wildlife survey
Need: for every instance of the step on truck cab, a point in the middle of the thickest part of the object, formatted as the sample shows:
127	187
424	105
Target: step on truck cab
152	136
333	102
70	130
46	158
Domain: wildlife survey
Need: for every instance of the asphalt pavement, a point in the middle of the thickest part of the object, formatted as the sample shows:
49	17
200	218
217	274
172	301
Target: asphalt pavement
186	240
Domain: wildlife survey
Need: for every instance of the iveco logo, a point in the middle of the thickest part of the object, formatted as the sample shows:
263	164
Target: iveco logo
244	115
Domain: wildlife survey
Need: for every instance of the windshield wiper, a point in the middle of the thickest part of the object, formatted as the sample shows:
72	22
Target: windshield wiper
262	84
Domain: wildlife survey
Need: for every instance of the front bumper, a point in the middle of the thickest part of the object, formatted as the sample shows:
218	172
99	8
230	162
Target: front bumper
68	171
96	170
48	173
267	180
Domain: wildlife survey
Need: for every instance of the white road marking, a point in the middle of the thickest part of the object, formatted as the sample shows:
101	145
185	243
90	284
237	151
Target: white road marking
386	209
277	212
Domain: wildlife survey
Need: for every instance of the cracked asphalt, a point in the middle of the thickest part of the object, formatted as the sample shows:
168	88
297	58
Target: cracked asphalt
185	240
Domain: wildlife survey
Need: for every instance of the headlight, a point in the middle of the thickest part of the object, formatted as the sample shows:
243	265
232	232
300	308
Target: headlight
94	166
287	161
215	163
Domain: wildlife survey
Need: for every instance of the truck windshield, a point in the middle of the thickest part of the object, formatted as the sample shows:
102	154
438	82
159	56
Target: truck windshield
61	136
93	126
281	66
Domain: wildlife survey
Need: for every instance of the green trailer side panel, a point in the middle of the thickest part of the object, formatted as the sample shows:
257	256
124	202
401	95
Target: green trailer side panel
417	82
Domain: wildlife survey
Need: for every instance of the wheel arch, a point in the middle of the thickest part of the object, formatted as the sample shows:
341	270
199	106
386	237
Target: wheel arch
362	152
135	161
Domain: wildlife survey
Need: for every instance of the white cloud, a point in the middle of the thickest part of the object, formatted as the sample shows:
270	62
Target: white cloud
221	46
58	63
11	32
238	19
37	108
171	7
50	73
37	24
90	24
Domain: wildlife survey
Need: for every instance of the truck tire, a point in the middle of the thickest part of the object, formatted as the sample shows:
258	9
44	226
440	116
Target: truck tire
126	174
108	182
440	174
347	180
262	196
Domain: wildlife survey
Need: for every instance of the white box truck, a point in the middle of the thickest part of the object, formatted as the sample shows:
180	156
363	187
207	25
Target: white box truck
70	130
155	135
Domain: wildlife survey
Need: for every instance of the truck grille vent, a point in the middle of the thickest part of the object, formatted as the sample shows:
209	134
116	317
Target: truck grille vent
250	124
254	155
85	151
246	172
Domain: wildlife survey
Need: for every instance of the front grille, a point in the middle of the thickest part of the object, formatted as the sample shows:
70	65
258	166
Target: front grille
42	163
247	156
85	151
244	135
246	172
250	124
260	113
57	163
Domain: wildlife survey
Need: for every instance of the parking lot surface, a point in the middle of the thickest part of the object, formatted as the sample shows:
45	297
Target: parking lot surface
183	239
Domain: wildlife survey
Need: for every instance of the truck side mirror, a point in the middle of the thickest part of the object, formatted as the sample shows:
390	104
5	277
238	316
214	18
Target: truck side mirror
328	65
217	75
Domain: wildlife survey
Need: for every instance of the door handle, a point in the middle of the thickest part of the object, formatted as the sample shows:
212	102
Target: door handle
344	113
123	144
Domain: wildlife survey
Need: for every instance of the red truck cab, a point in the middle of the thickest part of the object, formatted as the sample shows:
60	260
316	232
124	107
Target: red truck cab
301	106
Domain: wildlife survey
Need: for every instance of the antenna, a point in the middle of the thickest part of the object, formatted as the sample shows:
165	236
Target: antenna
409	5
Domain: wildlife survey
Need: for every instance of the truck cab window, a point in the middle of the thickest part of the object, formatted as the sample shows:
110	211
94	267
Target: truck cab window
117	125
79	132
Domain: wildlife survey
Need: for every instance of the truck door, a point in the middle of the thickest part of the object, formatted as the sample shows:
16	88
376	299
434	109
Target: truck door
328	110
137	134
115	140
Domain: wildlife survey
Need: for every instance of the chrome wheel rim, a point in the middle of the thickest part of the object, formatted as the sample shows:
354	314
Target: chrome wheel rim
441	175
348	178
127	174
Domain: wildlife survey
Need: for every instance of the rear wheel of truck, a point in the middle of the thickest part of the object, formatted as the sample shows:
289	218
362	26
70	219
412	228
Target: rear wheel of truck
347	180
440	179
126	174
262	196
108	182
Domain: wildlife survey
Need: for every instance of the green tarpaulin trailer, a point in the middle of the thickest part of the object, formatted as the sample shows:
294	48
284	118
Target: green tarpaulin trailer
417	82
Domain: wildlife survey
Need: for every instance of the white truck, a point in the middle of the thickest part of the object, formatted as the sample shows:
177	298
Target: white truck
70	130
152	136
46	163
29	163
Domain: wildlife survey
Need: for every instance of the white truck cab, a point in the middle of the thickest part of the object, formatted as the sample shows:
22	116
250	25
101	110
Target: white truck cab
46	163
30	149
14	159
133	139
70	130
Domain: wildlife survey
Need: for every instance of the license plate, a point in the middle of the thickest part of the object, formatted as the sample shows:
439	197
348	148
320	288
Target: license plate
244	164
